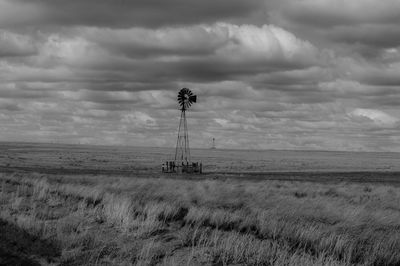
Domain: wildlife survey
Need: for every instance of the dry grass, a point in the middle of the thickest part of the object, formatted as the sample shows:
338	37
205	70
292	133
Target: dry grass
153	221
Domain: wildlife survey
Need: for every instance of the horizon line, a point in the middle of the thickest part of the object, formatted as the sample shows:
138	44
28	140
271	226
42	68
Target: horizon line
196	148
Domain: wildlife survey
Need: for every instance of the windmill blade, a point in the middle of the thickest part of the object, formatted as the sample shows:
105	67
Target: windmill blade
186	98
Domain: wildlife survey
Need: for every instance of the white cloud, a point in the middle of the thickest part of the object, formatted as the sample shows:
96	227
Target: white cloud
139	119
376	116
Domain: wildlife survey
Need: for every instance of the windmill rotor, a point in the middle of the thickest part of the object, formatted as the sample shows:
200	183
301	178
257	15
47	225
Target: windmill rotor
186	98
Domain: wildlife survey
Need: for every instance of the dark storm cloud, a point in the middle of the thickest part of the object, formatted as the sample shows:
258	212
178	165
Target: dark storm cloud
215	70
198	53
389	78
388	100
379	74
14	44
13	93
7	106
307	76
367	22
230	52
330	13
386	35
140	42
128	86
122	13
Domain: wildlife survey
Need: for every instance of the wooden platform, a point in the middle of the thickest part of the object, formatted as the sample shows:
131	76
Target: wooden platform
182	167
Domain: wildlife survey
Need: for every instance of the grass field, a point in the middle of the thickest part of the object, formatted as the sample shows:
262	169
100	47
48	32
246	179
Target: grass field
95	219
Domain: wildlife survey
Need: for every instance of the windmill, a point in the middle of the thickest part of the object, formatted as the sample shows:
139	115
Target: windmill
182	162
182	151
213	144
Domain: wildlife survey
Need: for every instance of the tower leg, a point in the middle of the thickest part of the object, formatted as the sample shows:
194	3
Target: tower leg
187	148
182	151
178	141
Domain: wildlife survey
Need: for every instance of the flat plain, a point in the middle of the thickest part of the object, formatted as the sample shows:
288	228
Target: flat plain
97	205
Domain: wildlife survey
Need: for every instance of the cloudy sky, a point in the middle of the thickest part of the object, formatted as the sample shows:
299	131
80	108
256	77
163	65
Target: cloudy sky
269	74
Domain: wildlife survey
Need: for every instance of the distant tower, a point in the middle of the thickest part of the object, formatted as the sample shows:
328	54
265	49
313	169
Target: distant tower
213	144
185	100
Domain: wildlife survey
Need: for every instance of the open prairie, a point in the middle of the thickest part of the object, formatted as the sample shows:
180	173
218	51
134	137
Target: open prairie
243	164
86	205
